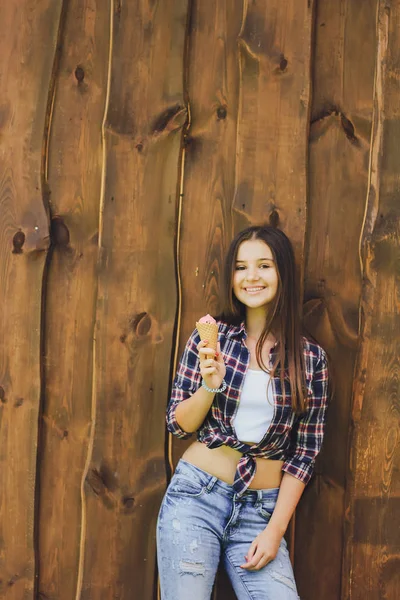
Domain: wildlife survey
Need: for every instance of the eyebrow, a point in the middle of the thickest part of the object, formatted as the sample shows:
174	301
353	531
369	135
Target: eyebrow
241	261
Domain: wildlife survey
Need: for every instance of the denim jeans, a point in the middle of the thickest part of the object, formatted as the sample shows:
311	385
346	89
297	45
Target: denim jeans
201	522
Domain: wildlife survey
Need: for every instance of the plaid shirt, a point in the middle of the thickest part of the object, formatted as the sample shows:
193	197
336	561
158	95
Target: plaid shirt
295	439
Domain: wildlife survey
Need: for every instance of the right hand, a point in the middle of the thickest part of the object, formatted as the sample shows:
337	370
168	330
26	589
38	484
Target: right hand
212	366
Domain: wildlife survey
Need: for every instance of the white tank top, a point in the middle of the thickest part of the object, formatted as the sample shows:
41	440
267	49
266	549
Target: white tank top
256	407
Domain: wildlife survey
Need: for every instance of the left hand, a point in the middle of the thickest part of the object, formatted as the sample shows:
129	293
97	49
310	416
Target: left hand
263	550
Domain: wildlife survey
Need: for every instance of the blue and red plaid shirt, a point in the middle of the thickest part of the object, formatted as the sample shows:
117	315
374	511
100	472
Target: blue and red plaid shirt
295	439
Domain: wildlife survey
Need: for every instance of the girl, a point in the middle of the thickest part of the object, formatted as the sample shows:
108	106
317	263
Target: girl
258	405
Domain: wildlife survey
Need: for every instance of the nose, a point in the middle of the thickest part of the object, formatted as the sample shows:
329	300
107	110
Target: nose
252	274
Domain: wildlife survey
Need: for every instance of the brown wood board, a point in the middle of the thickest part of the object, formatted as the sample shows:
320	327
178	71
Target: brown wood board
28	33
343	75
274	64
371	559
136	299
275	48
212	80
74	177
256	164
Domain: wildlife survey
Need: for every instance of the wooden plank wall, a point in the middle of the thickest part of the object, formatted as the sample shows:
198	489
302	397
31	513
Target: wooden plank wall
136	138
339	145
371	567
74	176
28	38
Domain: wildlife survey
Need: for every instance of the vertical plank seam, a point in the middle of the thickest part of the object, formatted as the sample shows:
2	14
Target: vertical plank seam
180	186
181	177
367	295
312	19
44	168
372	199
239	107
81	564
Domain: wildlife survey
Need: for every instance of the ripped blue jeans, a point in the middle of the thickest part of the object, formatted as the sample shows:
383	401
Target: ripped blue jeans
202	522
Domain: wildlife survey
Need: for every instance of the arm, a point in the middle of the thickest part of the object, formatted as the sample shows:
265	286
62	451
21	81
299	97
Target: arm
290	492
190	402
265	546
297	469
191	413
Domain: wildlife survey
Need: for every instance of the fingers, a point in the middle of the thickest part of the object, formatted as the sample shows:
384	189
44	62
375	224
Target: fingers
205	351
208	370
201	344
209	362
249	556
258	561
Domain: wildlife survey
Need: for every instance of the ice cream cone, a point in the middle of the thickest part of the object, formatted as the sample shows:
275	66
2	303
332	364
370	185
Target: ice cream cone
208	331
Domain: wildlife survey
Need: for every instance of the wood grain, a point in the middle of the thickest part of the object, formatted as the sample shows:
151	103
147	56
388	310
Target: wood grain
253	151
74	176
343	79
136	304
209	147
212	83
275	49
372	550
136	138
28	34
274	62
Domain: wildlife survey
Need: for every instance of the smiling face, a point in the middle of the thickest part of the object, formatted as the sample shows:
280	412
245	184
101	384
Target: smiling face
255	280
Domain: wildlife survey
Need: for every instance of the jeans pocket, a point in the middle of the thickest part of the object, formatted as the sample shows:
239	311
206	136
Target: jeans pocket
264	510
182	486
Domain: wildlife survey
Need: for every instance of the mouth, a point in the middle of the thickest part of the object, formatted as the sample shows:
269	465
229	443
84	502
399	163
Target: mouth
254	290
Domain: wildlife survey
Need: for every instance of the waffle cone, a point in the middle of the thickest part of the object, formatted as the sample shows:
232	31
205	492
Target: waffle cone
208	331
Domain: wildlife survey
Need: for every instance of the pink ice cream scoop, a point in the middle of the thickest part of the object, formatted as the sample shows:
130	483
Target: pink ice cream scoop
208	330
207	319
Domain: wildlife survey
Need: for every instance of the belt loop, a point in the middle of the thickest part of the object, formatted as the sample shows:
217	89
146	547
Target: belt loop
259	498
211	483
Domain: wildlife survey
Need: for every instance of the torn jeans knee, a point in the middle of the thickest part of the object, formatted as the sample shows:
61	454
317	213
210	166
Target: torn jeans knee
187	567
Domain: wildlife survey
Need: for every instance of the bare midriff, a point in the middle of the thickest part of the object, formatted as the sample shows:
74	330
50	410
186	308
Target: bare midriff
222	463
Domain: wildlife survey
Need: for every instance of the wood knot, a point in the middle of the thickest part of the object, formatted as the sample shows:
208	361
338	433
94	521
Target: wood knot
283	63
348	129
18	242
79	74
95	481
274	218
166	118
59	232
13	580
103	482
2	395
128	503
19	402
141	324
222	112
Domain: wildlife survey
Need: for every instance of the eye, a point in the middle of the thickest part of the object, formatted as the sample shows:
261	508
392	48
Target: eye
240	268
265	266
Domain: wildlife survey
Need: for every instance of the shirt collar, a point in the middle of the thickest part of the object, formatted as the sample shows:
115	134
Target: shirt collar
240	331
236	331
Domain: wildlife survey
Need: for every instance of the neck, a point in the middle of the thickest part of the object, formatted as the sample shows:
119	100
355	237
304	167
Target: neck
255	322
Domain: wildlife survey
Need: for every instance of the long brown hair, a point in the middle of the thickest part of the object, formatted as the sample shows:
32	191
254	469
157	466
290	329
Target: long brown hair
285	314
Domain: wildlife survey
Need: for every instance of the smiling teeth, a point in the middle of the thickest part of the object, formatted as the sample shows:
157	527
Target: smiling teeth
254	289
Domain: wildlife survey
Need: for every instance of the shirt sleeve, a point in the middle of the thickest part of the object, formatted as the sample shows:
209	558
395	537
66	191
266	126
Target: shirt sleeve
309	429
185	384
